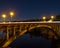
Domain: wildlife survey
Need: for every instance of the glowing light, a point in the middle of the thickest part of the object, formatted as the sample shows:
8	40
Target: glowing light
52	17
44	17
12	14
4	16
50	20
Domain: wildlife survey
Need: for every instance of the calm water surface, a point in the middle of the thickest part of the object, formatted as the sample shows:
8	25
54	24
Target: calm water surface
27	42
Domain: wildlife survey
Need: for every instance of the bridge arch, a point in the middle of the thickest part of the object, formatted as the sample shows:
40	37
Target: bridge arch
29	28
42	26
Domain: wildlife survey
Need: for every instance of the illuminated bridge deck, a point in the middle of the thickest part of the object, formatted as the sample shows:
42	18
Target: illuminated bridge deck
28	22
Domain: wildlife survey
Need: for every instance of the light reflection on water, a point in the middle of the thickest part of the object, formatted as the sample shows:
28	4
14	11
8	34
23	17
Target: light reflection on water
27	42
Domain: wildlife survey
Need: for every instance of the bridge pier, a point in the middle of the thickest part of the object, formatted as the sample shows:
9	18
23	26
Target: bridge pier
20	29
7	33
10	32
14	32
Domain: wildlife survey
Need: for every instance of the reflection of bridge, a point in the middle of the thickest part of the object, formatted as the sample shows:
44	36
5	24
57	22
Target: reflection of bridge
12	30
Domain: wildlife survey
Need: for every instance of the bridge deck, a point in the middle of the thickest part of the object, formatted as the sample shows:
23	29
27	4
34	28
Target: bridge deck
28	22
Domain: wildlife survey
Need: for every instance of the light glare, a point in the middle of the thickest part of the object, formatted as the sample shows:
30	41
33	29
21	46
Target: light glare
3	15
11	13
44	17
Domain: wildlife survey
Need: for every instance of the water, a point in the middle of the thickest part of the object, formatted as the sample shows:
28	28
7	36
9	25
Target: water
27	42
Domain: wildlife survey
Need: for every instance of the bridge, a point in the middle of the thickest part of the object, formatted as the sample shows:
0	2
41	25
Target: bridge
13	30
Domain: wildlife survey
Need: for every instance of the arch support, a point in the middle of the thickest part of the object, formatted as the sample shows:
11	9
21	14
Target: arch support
7	33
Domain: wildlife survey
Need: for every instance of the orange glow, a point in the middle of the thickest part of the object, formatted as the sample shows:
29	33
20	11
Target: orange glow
50	20
44	17
11	13
3	15
52	17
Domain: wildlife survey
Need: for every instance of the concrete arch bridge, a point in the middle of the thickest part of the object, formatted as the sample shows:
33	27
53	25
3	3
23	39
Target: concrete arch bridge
12	30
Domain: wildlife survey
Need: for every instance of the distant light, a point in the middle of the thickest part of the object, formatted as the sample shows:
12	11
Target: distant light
44	17
52	17
12	14
3	15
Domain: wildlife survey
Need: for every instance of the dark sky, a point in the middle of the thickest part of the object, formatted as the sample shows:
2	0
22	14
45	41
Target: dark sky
30	9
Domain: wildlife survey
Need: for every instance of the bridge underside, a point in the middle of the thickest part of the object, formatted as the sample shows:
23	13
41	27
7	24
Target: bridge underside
45	32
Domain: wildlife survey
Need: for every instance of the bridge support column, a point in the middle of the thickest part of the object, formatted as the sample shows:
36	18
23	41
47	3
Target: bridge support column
7	34
14	34
20	29
14	31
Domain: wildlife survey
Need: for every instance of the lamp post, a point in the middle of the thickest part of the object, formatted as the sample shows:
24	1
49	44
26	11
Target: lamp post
44	18
11	15
4	16
52	17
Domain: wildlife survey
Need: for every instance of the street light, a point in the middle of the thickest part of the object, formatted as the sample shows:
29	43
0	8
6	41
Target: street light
4	16
52	17
44	18
11	15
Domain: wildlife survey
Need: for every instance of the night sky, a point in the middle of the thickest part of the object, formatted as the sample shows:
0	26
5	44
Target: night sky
30	9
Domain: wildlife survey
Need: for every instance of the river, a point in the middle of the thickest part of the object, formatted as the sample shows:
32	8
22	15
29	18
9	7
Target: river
26	41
